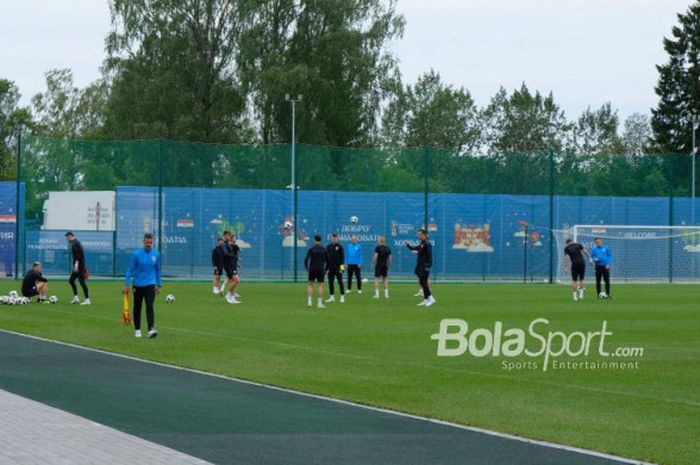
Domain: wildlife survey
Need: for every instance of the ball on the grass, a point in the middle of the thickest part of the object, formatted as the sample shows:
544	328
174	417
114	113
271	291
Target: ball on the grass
170	298
354	219
13	294
602	295
53	299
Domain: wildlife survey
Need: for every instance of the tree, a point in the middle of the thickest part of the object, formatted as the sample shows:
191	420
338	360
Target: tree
523	122
12	119
432	114
596	132
173	67
636	134
333	52
678	87
65	111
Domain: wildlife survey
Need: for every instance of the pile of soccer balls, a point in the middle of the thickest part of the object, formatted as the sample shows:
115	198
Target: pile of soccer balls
13	298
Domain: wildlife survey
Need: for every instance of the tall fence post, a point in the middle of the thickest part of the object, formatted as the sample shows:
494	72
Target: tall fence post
525	241
670	215
551	217
160	194
18	204
426	185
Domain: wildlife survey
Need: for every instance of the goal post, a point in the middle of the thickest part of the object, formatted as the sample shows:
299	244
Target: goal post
641	253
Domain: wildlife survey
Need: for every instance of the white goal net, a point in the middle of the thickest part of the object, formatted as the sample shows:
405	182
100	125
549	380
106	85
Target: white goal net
647	254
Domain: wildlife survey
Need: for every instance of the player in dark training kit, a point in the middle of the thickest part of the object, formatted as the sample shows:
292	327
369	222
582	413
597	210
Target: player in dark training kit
78	270
336	266
573	255
423	263
217	262
231	258
316	263
382	264
34	284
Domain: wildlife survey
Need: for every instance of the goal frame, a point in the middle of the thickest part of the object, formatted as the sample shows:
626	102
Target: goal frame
579	232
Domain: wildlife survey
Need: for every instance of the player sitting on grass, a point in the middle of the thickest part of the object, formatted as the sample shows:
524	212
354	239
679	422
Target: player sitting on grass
316	263
382	263
574	252
34	284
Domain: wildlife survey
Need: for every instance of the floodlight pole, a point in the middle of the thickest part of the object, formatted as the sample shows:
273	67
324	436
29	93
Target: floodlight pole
696	124
293	185
18	202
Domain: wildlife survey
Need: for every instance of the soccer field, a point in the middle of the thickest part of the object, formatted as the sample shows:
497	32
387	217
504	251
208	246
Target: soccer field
380	352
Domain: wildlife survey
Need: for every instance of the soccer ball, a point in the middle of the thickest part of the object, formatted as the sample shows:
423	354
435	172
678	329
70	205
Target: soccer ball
4	299
288	225
53	299
13	294
602	295
170	298
354	219
12	301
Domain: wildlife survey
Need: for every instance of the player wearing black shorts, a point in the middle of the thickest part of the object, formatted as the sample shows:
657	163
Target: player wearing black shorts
316	263
336	266
79	269
34	284
217	262
573	255
231	257
424	261
382	264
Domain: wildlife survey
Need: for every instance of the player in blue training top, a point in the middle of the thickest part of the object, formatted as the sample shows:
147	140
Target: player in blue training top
353	258
144	269
601	257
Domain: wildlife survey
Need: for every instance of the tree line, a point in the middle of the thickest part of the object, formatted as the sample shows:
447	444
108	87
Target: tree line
220	72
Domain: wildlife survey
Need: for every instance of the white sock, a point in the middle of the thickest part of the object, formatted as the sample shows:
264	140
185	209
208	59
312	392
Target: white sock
309	301
575	295
386	293
320	301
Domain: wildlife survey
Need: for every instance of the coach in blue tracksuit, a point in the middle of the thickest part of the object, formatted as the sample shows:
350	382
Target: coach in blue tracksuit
144	269
601	257
353	258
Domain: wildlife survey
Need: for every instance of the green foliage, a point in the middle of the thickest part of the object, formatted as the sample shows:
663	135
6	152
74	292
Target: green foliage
332	52
432	114
523	122
12	119
678	87
173	66
65	111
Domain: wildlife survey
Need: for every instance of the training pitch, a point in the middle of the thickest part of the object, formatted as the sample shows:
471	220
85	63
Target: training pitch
376	353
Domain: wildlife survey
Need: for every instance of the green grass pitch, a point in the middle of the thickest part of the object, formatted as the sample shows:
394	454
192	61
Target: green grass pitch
379	352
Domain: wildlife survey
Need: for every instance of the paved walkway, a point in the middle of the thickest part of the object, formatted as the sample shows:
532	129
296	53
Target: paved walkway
32	433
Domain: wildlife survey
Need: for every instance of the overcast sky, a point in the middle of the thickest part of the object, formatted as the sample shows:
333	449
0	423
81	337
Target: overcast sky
586	51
